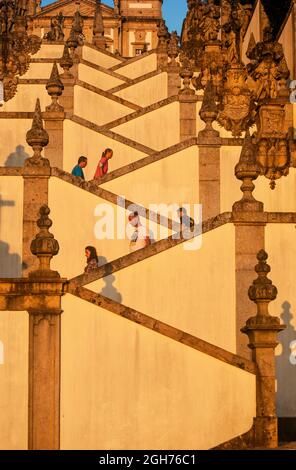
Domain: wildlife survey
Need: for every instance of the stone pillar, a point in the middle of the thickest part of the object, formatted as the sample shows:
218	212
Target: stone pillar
44	379
68	81
54	120
174	82
36	174
262	331
249	221
187	116
45	343
188	100
162	47
209	145
99	39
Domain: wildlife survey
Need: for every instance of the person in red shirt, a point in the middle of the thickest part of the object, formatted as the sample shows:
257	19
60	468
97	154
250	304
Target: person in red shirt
102	168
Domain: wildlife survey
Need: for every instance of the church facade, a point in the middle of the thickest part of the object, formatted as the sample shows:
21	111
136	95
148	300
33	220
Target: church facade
130	26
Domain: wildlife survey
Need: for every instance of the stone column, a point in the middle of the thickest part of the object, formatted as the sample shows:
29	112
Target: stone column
36	174
174	82
188	100
54	120
44	379
162	47
209	145
67	98
99	39
262	331
249	221
45	343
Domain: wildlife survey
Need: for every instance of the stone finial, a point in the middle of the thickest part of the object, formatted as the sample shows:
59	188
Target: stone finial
116	7
99	39
262	292
72	41
37	138
262	331
162	34
209	110
247	170
44	245
54	88
186	73
66	62
173	49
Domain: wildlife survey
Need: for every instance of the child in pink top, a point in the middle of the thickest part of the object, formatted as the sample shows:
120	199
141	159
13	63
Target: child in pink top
102	168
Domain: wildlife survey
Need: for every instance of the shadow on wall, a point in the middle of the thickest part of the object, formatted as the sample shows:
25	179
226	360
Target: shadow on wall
10	263
286	366
109	290
17	157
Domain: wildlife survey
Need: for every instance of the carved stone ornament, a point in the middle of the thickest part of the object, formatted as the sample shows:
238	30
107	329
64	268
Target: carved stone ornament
98	28
77	28
56	32
44	246
202	25
54	88
268	67
37	138
173	48
273	146
237	110
16	46
212	65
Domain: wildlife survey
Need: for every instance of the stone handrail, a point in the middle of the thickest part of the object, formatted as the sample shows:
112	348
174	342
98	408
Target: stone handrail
165	329
148	251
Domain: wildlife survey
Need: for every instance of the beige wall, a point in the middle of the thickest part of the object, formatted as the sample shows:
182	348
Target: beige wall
280	245
281	199
14	335
162	286
99	58
97	108
125	387
25	101
49	51
79	140
146	92
96	78
74	223
40	70
13	146
11	214
171	180
139	67
145	129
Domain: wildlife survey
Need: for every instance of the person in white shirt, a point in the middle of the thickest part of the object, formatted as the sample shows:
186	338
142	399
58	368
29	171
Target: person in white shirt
141	237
